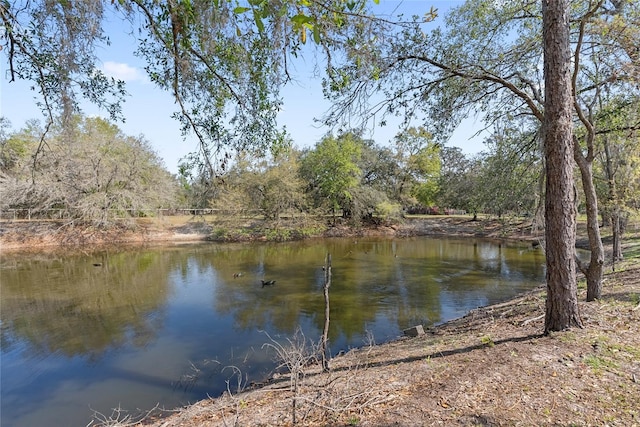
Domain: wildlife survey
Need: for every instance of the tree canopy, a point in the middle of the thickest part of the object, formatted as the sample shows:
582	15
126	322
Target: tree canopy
223	62
97	171
332	169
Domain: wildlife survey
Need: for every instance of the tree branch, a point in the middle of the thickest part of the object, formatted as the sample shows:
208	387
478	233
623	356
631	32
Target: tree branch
483	77
576	69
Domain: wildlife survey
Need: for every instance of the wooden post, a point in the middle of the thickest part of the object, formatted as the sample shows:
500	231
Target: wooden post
325	332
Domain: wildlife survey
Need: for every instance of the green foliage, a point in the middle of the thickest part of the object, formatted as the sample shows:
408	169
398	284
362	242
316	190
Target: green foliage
221	72
332	171
419	162
485	61
51	45
459	186
379	168
341	173
599	363
503	180
487	341
15	148
617	169
87	172
388	211
273	187
510	173
454	70
364	204
425	193
281	188
223	62
277	234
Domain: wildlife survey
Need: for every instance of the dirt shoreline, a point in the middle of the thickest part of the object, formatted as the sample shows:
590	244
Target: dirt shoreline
53	235
492	367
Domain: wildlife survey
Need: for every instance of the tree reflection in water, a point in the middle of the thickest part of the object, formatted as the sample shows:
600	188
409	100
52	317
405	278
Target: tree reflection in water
143	326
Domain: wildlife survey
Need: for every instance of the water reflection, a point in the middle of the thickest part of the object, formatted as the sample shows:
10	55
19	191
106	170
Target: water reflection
83	333
81	305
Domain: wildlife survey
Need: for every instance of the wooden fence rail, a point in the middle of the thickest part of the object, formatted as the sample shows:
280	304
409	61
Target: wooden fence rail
39	214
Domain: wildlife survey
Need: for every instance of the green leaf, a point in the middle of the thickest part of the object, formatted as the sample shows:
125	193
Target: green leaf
259	23
239	9
316	34
301	19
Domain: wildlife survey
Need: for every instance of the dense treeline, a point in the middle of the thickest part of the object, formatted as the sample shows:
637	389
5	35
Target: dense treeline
96	169
85	172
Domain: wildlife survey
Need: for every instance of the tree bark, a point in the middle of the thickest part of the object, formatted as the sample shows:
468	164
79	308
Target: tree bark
593	271
560	215
538	216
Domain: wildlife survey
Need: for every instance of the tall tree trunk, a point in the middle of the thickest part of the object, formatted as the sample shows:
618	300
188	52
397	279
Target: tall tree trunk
616	231
560	215
614	204
593	271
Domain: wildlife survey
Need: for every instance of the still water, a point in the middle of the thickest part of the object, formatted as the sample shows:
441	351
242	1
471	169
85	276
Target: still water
132	329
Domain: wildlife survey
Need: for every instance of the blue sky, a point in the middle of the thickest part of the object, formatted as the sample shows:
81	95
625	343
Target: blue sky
148	109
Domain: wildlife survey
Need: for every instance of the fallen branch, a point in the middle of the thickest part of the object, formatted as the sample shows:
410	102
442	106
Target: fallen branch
533	319
515	301
369	403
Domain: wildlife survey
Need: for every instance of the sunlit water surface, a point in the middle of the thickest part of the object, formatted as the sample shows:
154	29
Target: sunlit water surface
82	335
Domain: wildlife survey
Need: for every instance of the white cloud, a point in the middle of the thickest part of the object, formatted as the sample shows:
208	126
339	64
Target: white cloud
122	71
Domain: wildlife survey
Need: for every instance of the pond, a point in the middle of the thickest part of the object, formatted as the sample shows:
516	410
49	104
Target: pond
132	329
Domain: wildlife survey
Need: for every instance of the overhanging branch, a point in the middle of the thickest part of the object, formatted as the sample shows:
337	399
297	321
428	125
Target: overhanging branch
474	77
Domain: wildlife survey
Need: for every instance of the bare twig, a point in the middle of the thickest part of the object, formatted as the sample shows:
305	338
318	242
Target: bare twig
120	418
295	357
237	402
